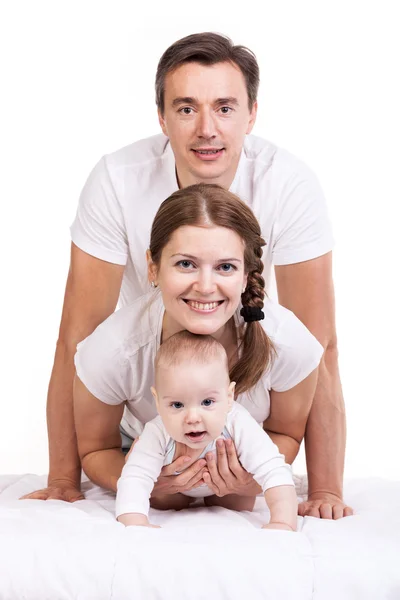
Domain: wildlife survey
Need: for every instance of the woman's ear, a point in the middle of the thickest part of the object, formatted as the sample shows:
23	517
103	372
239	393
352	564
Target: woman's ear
151	268
231	393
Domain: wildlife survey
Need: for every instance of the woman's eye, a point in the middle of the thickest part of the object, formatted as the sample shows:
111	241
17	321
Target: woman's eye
177	404
227	268
185	264
207	402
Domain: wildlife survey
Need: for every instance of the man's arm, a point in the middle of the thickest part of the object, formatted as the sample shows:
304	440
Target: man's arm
91	295
307	289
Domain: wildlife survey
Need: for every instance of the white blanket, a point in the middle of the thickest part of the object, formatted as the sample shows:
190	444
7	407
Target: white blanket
58	551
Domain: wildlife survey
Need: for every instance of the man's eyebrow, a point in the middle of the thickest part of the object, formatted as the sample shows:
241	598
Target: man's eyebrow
190	100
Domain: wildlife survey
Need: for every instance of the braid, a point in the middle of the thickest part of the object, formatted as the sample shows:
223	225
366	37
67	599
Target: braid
254	293
257	348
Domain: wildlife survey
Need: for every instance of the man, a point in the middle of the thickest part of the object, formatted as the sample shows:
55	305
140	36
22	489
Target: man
206	94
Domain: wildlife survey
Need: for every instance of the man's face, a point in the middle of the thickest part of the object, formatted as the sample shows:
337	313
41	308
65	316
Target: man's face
193	401
206	118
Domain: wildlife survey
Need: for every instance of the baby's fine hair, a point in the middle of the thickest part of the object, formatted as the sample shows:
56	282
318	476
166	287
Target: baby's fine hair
186	346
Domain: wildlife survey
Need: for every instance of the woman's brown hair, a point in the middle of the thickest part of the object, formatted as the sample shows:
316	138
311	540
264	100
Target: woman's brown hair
208	205
208	49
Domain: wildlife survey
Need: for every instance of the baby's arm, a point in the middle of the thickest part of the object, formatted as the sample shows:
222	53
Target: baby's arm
260	456
139	475
282	504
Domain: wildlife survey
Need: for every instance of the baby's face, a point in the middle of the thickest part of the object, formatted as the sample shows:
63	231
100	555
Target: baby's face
193	401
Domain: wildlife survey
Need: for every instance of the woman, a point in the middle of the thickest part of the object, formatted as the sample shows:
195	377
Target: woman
205	267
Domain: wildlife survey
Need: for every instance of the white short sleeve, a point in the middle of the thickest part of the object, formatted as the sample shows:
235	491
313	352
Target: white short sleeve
101	369
303	228
298	353
99	227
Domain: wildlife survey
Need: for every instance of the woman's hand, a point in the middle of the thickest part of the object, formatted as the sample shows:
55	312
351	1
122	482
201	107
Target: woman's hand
228	476
324	506
168	483
58	490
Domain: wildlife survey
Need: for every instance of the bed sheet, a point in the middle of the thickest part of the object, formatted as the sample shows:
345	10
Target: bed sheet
58	551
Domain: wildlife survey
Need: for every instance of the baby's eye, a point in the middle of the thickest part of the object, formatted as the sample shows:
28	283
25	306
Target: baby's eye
207	402
177	404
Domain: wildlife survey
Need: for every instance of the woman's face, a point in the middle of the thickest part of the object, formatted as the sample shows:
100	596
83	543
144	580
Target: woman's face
201	277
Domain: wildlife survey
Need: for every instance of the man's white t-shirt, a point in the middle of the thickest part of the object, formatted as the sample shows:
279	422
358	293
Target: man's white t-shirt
256	451
125	189
116	362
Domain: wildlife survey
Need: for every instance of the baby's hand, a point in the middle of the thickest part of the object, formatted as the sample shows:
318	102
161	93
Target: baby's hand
136	520
283	526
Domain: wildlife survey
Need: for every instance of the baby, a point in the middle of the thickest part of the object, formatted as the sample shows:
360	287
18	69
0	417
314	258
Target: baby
195	402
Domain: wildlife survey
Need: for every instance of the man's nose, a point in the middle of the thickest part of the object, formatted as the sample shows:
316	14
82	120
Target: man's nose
206	128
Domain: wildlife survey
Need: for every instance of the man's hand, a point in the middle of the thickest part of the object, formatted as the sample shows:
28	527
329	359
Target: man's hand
58	490
324	506
228	476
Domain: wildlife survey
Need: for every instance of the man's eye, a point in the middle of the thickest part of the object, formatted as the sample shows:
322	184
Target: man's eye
186	110
185	264
207	402
177	404
225	110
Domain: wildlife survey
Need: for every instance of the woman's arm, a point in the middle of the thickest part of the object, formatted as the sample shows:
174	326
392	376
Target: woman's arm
98	436
287	420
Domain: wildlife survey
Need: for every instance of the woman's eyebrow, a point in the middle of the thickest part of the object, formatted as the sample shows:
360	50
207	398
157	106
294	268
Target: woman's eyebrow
238	260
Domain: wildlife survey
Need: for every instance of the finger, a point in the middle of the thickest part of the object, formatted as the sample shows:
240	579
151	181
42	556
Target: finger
179	465
348	511
312	511
325	510
337	511
208	481
188	485
212	468
301	509
74	496
233	461
40	495
223	467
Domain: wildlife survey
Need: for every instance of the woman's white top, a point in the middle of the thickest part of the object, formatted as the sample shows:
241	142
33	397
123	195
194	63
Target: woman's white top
116	362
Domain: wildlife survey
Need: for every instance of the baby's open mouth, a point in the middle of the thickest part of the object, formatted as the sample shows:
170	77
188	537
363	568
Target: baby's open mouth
196	436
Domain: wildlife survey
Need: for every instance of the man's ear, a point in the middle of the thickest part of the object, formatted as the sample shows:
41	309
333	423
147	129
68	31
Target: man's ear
163	124
231	393
155	396
253	116
151	268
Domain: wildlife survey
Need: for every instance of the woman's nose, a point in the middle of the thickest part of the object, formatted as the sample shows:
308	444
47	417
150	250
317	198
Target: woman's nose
205	283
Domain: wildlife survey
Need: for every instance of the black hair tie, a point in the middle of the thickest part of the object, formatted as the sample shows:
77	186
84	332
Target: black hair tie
251	313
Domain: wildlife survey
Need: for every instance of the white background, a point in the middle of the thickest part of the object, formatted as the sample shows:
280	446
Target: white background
77	82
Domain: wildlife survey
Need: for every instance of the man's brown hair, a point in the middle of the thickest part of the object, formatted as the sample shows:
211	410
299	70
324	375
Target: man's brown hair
208	49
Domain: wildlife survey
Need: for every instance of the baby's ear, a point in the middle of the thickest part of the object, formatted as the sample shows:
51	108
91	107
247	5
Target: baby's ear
155	396
231	393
